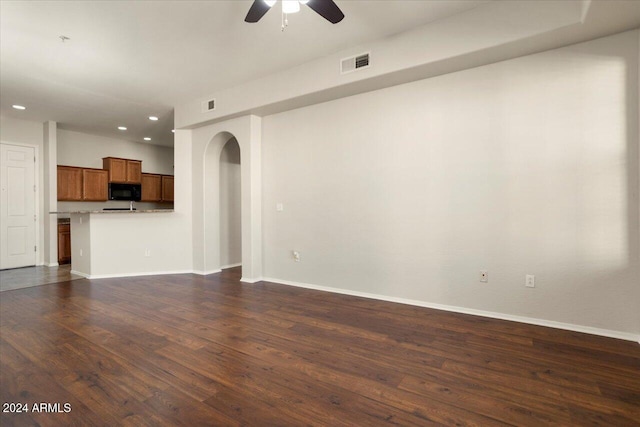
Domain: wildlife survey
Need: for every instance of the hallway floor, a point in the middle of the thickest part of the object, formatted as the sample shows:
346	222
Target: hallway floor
26	277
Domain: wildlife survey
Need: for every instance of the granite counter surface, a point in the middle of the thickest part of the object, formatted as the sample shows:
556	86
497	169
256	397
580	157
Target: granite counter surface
126	211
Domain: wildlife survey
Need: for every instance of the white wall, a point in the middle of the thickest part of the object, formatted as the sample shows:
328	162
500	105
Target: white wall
50	195
85	150
118	244
230	235
30	133
528	166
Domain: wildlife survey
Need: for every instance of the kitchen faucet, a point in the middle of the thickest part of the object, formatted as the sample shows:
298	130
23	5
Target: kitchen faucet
131	205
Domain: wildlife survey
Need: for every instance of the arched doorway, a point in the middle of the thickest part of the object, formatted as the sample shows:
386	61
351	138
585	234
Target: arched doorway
230	206
208	143
212	196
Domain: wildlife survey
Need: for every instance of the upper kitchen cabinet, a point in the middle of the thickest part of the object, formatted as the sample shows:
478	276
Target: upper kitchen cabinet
123	170
69	183
134	171
167	188
151	187
95	184
78	184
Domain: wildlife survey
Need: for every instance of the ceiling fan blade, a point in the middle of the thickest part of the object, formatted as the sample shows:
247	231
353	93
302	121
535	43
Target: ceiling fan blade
327	9
257	11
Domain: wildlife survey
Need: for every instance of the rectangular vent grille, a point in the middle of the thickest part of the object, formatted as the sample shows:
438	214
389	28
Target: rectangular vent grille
209	105
354	63
362	61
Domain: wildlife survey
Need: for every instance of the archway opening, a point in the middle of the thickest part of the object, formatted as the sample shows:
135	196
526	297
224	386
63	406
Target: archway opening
245	133
230	206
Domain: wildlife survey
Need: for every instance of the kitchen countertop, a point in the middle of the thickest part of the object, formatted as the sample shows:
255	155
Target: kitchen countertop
116	212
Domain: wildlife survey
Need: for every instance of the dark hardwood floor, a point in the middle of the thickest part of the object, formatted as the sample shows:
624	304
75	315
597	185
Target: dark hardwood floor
190	350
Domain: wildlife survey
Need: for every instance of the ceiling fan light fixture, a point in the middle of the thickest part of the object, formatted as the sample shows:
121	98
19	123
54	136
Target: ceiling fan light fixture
290	6
328	9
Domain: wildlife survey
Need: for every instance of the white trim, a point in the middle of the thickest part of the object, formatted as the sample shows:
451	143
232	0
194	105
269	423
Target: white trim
259	279
224	267
144	273
206	273
456	309
77	273
52	264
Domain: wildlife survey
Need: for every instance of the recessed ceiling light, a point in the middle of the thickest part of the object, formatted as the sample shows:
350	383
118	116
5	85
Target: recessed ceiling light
154	118
122	128
146	138
19	107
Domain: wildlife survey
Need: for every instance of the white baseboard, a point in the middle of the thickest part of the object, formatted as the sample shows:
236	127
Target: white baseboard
456	309
78	273
224	267
247	280
52	264
144	273
206	273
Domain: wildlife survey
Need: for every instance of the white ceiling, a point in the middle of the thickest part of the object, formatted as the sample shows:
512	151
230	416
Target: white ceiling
127	60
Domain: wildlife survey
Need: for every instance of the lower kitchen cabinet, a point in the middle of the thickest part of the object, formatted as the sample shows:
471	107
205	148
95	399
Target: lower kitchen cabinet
64	243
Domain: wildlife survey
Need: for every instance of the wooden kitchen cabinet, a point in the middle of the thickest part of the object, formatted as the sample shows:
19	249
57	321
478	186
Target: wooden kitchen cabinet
117	169
77	184
151	187
95	184
123	170
134	171
167	188
69	183
64	243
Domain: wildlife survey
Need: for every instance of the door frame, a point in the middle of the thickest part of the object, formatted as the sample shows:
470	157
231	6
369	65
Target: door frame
39	215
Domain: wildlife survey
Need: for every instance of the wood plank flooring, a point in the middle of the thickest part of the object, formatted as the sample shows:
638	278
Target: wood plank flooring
187	350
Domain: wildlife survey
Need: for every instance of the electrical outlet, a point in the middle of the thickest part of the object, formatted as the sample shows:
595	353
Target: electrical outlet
147	252
296	255
484	276
530	281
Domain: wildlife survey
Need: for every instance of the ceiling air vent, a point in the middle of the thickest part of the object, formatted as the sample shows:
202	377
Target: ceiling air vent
354	63
209	105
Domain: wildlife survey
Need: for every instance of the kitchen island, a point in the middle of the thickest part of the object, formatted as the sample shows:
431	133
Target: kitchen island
114	243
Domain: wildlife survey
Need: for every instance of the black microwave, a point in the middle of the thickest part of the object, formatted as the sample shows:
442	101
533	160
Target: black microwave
125	192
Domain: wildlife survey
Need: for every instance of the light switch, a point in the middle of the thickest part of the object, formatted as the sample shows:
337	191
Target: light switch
279	207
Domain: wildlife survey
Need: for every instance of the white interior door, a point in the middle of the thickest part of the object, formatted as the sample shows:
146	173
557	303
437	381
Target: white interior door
17	206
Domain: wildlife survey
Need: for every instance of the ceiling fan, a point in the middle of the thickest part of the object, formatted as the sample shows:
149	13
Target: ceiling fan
325	8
